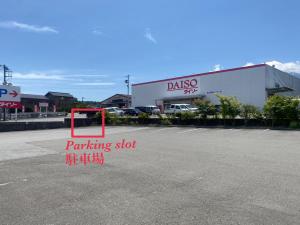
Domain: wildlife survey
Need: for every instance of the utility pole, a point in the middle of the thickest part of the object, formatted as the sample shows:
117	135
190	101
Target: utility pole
127	81
6	74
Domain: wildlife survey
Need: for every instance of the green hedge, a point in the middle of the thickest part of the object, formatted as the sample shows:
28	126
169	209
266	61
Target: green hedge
279	111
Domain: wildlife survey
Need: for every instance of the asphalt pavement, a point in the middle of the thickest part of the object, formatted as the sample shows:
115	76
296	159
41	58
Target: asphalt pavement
173	176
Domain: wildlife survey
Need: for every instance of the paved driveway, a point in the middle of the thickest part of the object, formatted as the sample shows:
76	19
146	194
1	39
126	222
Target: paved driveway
175	176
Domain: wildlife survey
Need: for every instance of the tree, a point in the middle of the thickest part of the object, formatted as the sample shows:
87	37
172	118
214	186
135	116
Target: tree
281	107
109	118
230	106
250	112
205	108
79	105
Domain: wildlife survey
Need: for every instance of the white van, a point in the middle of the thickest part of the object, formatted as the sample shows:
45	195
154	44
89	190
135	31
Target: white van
176	108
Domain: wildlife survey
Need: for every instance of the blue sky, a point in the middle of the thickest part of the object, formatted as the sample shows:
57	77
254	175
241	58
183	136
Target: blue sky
87	47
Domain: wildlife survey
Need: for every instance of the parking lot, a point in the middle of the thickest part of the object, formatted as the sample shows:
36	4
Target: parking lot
174	176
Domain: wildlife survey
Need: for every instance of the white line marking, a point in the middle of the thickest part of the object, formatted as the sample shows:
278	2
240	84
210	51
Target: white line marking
186	131
4	184
161	129
126	130
235	130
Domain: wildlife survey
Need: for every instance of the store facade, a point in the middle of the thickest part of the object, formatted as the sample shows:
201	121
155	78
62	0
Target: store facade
251	85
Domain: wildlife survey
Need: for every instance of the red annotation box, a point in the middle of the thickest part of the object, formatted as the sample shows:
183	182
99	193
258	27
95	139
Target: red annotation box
100	110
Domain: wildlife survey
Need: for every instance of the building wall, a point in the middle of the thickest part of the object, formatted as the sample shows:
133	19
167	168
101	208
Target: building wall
30	104
247	84
61	103
276	77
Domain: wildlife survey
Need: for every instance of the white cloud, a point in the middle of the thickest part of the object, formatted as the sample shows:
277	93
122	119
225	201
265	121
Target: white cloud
217	67
27	27
55	75
98	32
148	35
37	76
289	67
96	84
249	64
63	77
86	75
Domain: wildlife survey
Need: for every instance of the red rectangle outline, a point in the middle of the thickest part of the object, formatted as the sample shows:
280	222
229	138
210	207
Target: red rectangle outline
102	110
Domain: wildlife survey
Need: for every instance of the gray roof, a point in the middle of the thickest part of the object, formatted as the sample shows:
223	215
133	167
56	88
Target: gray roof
122	95
60	94
42	97
128	96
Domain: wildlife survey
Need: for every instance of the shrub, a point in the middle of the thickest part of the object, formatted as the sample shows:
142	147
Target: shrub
109	118
143	118
186	115
165	121
230	106
294	124
126	119
132	123
205	108
281	107
249	112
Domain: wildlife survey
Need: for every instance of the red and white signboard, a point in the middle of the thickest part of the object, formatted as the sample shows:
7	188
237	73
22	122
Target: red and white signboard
10	97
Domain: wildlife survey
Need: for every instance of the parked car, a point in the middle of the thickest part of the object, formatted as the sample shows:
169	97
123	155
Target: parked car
115	111
150	109
131	111
192	108
176	108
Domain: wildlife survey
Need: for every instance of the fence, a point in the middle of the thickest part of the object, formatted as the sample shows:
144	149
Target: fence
30	115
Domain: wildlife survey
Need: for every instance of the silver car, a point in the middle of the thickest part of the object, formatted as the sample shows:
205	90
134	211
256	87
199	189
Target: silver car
191	108
115	111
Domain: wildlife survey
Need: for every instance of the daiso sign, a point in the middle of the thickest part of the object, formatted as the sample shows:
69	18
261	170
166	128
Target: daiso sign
188	86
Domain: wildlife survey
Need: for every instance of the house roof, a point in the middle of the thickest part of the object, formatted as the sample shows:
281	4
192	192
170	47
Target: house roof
60	94
128	96
122	95
30	96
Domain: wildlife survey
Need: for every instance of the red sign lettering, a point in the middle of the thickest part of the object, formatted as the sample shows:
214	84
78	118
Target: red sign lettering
188	86
10	105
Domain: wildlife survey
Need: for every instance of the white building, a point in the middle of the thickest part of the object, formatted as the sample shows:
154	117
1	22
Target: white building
251	85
